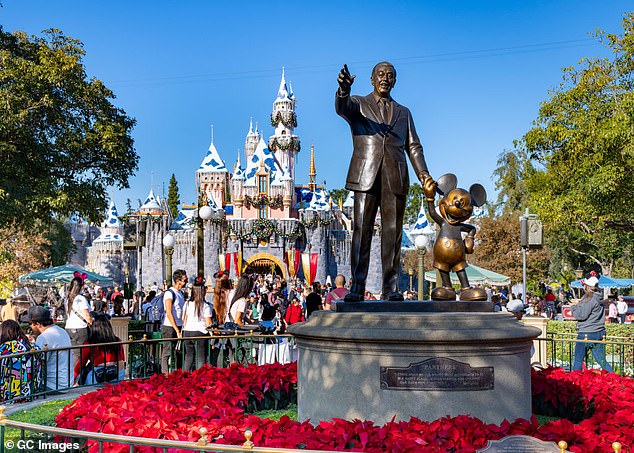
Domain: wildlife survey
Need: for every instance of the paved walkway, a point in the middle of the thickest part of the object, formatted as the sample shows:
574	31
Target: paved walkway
68	395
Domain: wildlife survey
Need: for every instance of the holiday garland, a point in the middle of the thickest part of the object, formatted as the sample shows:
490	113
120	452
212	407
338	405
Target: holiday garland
288	119
598	406
315	221
285	144
259	201
265	228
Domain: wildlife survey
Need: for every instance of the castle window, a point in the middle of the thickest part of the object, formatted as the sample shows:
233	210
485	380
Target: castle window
262	212
262	184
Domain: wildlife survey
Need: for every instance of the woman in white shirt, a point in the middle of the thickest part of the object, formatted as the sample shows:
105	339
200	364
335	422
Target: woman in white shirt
196	319
78	310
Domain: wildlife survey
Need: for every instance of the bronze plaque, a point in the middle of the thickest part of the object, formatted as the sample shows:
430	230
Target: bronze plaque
520	444
437	374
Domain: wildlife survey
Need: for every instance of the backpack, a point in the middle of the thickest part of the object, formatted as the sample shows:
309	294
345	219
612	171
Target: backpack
156	311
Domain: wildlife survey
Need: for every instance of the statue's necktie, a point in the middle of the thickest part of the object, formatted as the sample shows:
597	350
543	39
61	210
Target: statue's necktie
384	109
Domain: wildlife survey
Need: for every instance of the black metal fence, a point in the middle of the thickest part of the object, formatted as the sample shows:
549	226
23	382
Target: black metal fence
52	371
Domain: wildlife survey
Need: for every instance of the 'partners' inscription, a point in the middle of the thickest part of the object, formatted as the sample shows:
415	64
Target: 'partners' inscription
437	374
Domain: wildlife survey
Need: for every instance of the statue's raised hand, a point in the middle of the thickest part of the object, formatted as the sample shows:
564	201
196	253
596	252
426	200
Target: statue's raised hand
345	80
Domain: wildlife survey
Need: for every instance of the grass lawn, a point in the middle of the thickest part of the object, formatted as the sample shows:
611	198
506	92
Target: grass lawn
42	415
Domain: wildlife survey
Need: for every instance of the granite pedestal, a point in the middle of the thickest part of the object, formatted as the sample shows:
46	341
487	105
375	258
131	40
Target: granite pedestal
375	361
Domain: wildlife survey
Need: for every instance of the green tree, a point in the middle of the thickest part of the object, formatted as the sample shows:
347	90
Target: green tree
338	195
62	141
173	197
128	207
582	149
509	182
412	208
61	243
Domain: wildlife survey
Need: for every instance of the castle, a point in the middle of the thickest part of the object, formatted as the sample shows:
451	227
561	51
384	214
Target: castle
260	220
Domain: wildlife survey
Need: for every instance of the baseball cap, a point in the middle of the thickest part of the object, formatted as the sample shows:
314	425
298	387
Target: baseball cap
252	295
515	306
592	281
39	314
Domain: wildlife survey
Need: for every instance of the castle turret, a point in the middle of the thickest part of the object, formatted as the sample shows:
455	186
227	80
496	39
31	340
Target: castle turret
251	140
237	188
212	177
284	143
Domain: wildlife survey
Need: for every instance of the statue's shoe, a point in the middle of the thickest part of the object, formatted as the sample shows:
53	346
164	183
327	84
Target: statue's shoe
443	294
353	297
473	294
393	295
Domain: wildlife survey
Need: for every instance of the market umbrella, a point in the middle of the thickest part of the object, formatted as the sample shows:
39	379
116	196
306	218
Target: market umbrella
476	275
604	282
60	274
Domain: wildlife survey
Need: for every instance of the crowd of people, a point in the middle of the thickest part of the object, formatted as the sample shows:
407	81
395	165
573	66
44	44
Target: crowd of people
267	303
50	358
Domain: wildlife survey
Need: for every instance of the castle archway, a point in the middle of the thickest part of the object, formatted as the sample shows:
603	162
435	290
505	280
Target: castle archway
264	263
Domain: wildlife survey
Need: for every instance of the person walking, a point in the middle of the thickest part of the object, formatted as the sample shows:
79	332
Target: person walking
196	319
79	319
621	309
338	293
173	302
9	311
590	316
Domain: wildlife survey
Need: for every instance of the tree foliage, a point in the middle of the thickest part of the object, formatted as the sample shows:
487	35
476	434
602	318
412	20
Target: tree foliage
62	141
512	194
338	195
579	158
412	208
498	248
21	252
173	197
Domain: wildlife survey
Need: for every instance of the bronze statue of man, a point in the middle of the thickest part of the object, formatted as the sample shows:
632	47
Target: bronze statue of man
382	134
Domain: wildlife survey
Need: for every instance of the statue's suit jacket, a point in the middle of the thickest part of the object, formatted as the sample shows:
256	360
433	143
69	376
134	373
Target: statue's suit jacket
376	143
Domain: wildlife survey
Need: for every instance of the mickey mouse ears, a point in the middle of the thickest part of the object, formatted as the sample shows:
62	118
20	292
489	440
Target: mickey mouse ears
448	182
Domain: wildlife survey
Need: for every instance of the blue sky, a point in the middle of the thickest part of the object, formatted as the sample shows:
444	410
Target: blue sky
472	72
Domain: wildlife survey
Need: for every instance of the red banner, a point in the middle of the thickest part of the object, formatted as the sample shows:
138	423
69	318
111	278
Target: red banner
298	260
313	266
228	262
235	262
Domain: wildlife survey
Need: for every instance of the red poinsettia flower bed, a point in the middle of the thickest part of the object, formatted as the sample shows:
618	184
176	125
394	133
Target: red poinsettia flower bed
177	406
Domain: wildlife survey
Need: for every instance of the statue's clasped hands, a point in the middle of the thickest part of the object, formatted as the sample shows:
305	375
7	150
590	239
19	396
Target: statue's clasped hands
429	186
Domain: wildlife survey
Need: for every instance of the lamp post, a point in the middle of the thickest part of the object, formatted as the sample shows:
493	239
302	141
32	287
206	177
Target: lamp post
420	247
411	278
579	272
168	245
204	213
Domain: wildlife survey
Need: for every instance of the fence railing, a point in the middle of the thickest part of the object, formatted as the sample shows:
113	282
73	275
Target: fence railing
52	370
560	352
33	438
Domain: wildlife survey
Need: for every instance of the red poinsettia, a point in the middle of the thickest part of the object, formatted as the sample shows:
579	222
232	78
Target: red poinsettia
176	407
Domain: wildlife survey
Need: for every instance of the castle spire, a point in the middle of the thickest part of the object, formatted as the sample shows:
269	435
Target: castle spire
283	91
313	171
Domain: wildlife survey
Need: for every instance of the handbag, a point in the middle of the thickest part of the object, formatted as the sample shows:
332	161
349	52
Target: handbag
231	325
106	373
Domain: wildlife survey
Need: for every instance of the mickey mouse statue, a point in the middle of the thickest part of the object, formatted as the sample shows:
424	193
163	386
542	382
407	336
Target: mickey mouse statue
456	206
